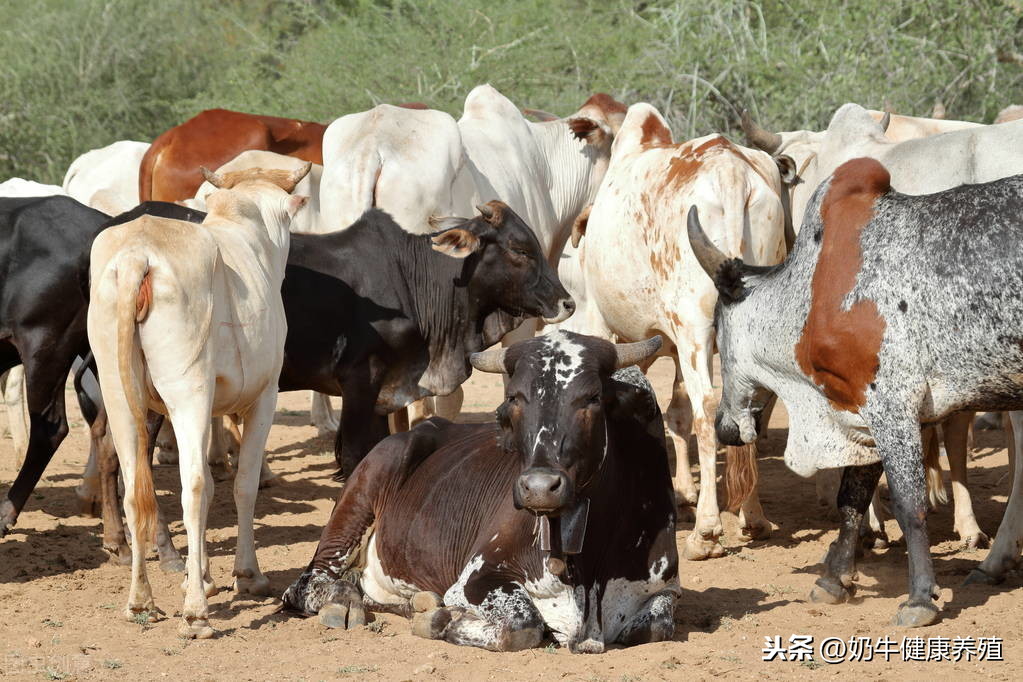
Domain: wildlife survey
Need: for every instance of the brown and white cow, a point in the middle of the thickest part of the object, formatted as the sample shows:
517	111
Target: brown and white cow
170	168
640	276
558	518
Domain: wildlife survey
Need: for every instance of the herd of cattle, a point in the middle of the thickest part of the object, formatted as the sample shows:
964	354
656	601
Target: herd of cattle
869	275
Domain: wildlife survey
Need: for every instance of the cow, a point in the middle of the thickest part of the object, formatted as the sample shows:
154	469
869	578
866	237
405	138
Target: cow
43	302
187	320
811	163
640	277
170	168
557	518
851	333
12	381
107	178
382	317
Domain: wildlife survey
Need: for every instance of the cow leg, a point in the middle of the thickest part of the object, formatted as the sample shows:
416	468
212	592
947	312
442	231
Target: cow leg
191	419
854	494
45	377
654	622
398	422
505	619
90	491
13	383
321	415
102	451
257	422
166	444
222	446
1005	552
704	541
872	531
361	427
956	430
753	524
447	406
901	448
679	420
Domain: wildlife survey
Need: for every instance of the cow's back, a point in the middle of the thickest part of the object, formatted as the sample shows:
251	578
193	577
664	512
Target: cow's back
107	178
404	161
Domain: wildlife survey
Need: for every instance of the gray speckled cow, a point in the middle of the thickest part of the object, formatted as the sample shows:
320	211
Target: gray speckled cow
891	311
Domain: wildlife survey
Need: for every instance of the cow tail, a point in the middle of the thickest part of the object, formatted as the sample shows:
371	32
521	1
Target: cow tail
936	492
741	473
134	297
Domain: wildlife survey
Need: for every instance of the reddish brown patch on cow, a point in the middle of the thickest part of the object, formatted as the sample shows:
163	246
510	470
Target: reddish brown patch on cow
144	298
838	349
683	167
413	105
655	133
606	103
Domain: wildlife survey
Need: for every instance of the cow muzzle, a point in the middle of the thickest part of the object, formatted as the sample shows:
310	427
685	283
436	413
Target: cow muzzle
564	309
543	490
728	431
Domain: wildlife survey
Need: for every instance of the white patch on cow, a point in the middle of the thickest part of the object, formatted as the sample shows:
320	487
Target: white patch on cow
560	605
380	587
539	436
455	596
560	343
495	537
623	598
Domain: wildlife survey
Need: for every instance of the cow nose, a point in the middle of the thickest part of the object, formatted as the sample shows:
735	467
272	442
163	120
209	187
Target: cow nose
543	490
727	430
565	308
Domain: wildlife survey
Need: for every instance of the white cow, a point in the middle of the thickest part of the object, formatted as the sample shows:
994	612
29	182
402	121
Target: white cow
188	320
641	278
107	179
1013	112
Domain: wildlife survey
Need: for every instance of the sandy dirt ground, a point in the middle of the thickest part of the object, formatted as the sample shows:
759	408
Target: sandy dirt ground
61	601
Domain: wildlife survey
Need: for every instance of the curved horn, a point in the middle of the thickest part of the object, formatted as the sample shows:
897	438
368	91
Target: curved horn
489	361
885	120
299	173
211	177
709	256
485	211
757	136
628	354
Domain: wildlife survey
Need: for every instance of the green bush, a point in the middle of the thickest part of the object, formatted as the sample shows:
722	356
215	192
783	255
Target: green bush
78	74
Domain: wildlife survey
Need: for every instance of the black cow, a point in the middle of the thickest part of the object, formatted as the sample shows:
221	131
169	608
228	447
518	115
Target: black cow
44	255
560	517
382	317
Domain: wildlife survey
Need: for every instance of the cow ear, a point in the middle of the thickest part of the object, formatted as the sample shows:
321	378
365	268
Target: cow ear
441	223
579	226
787	168
295	203
456	242
590	130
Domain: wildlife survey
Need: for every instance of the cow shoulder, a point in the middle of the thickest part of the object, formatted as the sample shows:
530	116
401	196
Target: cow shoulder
838	349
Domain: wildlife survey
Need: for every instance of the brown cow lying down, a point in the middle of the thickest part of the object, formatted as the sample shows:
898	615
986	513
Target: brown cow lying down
560	518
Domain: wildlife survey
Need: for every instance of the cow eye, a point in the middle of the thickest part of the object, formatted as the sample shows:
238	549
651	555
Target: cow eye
595	399
521	252
510	400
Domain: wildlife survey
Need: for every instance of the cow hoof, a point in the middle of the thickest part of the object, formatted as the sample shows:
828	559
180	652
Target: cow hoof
343	616
7	517
221	471
267	481
761	529
90	507
339	476
198	628
142	614
258	586
120	555
172	565
431	624
426	601
872	540
698	549
910	616
828	591
979	577
977	540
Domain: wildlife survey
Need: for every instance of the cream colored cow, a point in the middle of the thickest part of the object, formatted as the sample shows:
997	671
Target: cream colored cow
187	320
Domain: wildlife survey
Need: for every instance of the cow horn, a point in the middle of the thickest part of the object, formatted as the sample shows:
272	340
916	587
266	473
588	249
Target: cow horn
489	361
299	173
211	177
758	137
628	354
885	120
709	256
485	211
